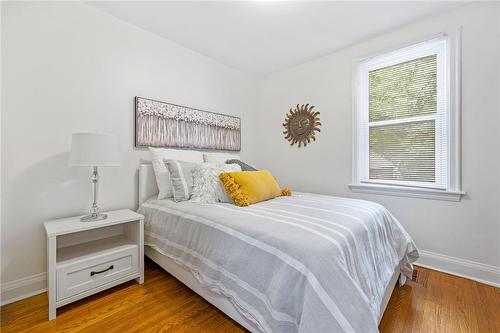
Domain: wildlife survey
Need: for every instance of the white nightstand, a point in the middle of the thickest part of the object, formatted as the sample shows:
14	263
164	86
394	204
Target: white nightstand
84	258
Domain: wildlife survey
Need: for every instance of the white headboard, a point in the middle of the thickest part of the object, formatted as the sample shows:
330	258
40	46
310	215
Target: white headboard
147	182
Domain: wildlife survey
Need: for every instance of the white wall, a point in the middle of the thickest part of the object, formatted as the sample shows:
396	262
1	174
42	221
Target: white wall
467	230
67	68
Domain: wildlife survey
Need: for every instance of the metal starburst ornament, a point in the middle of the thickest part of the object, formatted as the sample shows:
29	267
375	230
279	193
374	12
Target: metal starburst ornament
300	125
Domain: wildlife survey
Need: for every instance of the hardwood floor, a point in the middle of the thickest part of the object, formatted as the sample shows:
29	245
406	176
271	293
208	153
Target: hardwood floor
435	302
439	302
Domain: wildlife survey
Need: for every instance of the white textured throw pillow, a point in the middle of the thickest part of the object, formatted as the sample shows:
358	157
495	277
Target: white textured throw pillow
207	187
158	157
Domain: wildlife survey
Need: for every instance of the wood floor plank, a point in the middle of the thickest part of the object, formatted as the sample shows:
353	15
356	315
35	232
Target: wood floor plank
445	304
435	302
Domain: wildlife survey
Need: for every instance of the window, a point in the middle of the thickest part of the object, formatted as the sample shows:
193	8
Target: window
405	130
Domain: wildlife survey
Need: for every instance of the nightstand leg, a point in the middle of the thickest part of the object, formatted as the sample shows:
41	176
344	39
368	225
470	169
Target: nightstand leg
51	275
140	279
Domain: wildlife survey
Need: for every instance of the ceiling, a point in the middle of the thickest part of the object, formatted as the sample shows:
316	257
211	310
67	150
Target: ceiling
261	37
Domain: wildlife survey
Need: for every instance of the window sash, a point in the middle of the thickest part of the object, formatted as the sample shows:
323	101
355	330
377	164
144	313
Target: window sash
438	47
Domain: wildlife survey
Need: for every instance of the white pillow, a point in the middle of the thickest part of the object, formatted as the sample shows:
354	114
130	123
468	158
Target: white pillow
219	158
207	187
158	157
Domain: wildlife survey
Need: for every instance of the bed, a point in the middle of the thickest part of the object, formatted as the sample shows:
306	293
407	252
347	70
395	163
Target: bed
305	263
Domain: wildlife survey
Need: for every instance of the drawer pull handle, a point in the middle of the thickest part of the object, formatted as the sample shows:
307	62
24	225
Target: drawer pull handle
99	272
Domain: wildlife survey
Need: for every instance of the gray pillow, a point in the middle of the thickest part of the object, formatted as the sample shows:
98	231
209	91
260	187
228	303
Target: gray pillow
181	175
244	166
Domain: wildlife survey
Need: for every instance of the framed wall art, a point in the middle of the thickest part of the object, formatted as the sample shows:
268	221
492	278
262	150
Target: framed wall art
161	124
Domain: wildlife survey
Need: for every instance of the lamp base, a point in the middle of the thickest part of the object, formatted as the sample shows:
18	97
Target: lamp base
93	217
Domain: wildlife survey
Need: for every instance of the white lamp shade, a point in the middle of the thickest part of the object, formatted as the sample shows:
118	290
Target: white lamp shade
92	149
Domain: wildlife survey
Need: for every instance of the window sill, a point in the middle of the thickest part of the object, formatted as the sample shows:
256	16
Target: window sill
402	191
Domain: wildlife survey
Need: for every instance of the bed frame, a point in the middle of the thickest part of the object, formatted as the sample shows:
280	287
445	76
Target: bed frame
147	189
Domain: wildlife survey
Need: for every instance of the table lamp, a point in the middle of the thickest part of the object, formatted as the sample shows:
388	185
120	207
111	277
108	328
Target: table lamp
94	150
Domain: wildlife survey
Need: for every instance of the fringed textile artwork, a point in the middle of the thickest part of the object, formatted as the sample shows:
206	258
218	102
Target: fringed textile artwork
160	124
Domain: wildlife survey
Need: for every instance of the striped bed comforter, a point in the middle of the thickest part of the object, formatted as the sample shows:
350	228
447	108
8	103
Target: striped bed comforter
305	263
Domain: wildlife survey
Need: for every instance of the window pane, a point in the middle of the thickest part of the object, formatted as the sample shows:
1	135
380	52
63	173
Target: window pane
403	152
404	90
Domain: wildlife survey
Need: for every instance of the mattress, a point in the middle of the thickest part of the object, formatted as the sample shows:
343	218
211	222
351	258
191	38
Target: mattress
305	263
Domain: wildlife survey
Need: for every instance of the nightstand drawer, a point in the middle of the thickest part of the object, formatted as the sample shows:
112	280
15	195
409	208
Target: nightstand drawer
79	276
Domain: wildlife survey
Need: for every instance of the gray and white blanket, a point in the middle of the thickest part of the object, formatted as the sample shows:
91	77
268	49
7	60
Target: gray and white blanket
305	263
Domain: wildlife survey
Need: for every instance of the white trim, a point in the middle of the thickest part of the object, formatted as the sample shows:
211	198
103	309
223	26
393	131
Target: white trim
415	119
406	191
449	187
455	108
468	269
23	296
23	288
23	282
403	184
396	50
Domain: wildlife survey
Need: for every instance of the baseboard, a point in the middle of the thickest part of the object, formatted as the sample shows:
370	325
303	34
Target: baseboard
36	284
23	288
460	267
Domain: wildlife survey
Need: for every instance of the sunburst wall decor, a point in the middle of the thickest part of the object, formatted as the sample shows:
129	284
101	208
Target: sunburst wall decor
300	125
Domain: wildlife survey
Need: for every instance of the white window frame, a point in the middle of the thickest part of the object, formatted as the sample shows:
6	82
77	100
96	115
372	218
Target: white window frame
447	47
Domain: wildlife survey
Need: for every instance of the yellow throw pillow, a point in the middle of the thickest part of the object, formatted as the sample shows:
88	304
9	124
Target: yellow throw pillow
249	187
